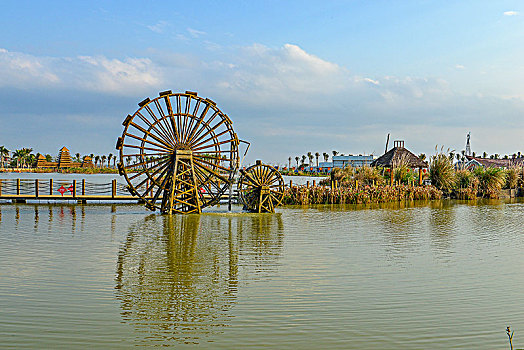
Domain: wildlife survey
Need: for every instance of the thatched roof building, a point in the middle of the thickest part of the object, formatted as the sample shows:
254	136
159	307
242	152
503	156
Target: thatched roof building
399	155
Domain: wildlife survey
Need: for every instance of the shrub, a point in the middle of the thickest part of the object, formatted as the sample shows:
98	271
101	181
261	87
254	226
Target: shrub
368	176
512	177
441	172
490	180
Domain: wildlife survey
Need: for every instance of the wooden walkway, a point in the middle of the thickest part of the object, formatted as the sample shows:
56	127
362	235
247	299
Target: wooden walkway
23	190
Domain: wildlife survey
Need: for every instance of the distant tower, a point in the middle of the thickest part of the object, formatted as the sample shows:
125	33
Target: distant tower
468	147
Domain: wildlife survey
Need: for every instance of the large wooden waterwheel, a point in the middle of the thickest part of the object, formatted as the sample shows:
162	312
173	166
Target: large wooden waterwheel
260	188
178	152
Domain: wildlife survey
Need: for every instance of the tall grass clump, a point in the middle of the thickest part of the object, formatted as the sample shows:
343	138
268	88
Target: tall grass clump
491	180
441	172
368	176
512	177
466	184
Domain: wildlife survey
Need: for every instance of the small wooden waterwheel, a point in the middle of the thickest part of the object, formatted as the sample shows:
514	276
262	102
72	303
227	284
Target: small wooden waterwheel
178	152
260	188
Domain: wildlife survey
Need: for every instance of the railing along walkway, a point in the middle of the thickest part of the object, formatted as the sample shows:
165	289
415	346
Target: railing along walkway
21	190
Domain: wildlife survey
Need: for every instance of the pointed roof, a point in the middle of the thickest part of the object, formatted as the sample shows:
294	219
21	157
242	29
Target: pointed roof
64	149
398	155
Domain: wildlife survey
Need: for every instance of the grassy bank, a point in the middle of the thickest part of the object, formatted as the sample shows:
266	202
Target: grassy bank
358	195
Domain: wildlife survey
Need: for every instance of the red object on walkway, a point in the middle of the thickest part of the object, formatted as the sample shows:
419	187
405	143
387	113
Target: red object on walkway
62	190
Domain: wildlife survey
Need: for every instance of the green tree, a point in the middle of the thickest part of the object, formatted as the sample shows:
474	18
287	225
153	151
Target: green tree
289	162
104	157
316	156
77	157
297	158
310	157
334	153
4	153
326	156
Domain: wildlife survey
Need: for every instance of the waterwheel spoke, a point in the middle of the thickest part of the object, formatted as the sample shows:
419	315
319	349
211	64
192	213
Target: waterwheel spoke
151	126
162	126
164	119
146	132
172	117
150	169
148	141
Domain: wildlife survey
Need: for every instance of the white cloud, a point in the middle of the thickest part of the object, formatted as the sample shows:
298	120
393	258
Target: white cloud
459	66
159	27
195	33
270	92
511	13
90	73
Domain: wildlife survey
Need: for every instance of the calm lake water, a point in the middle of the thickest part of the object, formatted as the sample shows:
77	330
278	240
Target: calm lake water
436	275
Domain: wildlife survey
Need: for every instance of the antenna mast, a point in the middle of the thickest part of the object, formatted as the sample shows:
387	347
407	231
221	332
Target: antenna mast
468	147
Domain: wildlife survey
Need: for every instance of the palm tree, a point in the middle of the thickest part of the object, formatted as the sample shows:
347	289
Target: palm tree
334	153
97	158
4	152
303	159
310	157
31	160
297	158
109	157
104	157
289	162
326	156
316	156
422	156
77	157
18	155
484	155
48	158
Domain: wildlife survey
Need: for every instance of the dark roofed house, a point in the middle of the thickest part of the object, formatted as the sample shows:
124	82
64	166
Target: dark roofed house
475	162
399	155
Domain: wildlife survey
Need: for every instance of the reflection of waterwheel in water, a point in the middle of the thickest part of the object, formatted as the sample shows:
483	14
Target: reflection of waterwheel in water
177	277
260	188
178	152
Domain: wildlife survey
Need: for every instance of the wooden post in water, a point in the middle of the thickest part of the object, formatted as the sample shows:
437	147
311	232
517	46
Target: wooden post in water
314	183
356	184
74	189
50	187
83	187
17	187
36	188
290	184
0	187
113	188
307	184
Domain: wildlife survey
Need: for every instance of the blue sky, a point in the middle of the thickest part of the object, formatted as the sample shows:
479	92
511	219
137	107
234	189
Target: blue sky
294	76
